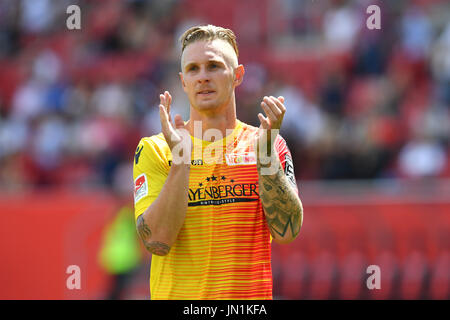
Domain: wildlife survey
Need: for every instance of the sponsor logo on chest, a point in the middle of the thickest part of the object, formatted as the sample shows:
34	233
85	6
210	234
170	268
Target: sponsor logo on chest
240	159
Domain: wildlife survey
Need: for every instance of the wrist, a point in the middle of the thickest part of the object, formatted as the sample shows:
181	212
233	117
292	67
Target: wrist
266	160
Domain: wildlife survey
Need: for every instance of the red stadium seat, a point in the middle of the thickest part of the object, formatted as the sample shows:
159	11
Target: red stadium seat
295	276
352	274
323	276
415	268
389	268
440	278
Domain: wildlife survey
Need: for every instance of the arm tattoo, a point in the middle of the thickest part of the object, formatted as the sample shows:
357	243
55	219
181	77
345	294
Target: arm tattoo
155	247
282	208
158	248
143	229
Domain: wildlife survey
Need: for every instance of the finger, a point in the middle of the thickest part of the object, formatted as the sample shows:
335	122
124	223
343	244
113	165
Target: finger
280	103
168	131
265	124
163	100
262	132
168	100
168	103
270	101
165	124
179	123
269	112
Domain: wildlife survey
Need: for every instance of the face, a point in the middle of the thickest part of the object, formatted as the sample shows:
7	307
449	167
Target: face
209	74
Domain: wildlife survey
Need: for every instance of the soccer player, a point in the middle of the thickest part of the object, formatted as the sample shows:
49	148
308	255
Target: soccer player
212	192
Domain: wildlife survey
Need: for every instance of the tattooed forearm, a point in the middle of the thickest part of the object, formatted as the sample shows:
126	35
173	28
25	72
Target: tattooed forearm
142	228
158	248
282	207
155	247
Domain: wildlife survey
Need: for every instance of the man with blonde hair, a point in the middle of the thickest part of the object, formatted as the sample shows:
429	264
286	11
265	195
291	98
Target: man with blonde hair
212	192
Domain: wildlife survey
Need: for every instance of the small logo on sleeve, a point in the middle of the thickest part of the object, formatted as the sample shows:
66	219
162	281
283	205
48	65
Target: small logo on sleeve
140	187
289	170
137	154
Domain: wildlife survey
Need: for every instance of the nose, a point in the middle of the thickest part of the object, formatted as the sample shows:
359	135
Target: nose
203	75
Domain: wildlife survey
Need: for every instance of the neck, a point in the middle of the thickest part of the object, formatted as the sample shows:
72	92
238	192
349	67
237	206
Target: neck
220	120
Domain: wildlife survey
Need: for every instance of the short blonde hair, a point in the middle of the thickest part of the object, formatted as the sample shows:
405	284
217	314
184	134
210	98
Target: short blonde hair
208	32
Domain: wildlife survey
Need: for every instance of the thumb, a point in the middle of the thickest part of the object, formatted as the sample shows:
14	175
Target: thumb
265	124
281	98
179	123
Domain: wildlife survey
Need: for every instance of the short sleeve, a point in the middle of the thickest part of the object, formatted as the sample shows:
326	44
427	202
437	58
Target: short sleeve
286	160
150	170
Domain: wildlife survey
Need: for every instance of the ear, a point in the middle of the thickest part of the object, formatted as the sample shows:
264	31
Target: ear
183	84
239	72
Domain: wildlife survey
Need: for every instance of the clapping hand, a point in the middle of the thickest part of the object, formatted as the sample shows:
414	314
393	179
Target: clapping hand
270	125
176	134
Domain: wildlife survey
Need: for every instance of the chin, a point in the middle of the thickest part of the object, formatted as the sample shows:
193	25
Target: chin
207	105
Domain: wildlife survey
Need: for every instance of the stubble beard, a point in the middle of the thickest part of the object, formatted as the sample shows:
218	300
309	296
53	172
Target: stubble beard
210	105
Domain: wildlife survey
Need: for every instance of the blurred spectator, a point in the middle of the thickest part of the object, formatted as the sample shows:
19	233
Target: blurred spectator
13	137
440	65
120	254
37	16
422	158
49	142
416	33
341	26
303	119
28	101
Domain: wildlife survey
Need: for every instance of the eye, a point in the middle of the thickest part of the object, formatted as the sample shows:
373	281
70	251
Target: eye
192	68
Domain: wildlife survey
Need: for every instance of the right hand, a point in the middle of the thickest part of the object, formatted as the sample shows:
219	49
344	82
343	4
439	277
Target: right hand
176	134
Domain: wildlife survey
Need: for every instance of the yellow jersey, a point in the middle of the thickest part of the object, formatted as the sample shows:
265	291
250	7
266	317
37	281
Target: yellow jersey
223	249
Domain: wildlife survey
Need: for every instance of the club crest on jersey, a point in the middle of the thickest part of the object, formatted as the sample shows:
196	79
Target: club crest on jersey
140	187
241	159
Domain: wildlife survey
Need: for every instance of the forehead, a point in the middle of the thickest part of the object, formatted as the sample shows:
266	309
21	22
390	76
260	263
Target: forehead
204	50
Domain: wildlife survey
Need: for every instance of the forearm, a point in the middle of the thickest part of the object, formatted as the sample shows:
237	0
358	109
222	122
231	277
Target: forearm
160	224
282	206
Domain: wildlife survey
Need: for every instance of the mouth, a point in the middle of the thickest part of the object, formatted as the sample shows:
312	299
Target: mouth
206	93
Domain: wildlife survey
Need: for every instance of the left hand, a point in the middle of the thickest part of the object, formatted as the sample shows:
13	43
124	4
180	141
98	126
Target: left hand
274	109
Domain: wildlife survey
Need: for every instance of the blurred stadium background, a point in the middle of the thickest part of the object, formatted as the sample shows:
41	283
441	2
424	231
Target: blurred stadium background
367	123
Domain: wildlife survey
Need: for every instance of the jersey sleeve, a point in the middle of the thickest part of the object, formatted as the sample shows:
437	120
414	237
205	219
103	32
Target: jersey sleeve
150	170
286	160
